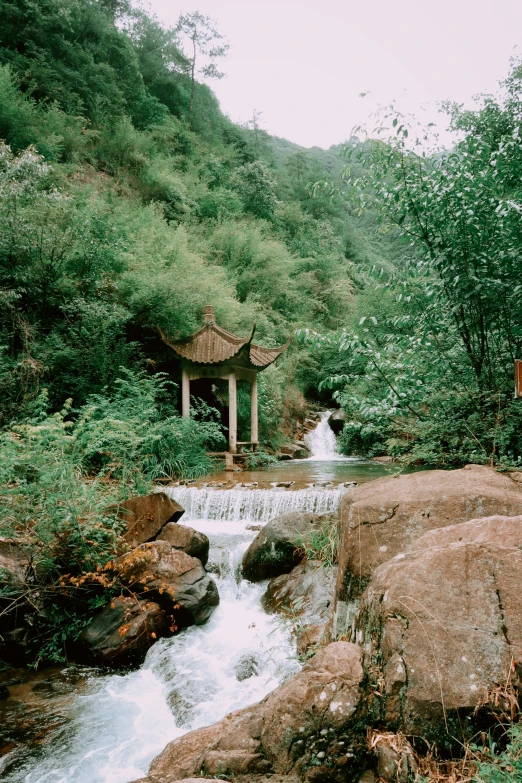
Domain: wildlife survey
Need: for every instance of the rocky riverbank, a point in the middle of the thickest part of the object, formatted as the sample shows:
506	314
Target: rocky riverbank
422	640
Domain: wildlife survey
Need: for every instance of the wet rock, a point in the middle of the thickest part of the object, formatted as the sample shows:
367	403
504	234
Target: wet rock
176	581
285	484
274	550
283	457
383	460
295	730
351	484
190	541
306	592
441	626
246	667
254	527
145	515
336	421
384	517
123	631
4	691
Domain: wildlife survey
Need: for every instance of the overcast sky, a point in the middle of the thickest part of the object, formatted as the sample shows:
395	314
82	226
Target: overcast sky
304	64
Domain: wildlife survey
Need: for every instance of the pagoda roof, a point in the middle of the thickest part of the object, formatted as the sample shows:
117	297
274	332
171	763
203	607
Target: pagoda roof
214	345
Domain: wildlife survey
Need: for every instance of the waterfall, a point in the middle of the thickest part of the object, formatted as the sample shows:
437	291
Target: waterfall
321	441
251	505
117	723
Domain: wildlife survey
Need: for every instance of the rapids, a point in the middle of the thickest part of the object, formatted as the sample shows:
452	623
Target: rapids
106	728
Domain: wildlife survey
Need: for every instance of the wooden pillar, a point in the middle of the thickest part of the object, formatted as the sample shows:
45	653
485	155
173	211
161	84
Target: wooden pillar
185	393
232	413
254	435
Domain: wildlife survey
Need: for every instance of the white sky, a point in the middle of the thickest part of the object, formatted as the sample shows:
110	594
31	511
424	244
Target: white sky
304	64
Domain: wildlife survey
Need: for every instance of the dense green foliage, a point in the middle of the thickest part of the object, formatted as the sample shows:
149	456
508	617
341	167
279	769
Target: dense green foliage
425	370
128	202
501	764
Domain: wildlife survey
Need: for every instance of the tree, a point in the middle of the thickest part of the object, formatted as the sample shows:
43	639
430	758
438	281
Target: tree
298	165
257	187
463	209
204	40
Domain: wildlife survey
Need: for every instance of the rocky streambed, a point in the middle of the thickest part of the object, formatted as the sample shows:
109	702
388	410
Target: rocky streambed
321	673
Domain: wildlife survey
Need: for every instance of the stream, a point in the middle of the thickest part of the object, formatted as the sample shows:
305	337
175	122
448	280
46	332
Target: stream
80	725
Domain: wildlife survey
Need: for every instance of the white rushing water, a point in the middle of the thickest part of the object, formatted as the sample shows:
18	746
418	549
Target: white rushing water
321	441
251	505
119	722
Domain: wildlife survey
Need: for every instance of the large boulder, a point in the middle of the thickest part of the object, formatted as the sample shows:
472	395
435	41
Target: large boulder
122	632
275	550
382	518
176	581
145	515
312	725
336	420
442	624
190	541
306	592
295	450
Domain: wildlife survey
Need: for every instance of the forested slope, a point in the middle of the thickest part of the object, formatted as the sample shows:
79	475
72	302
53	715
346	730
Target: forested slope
124	209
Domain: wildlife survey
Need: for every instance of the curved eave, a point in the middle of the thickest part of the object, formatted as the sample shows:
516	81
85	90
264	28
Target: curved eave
213	345
263	357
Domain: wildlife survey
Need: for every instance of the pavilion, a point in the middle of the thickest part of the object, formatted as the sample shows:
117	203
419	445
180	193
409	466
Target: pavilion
213	352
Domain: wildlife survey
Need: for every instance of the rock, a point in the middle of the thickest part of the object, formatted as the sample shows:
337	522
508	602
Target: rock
381	518
187	539
123	631
384	460
15	608
176	581
307	591
283	457
310	638
395	760
274	550
4	691
441	626
285	484
145	515
312	725
246	667
504	531
14	561
295	450
351	484
367	777
336	420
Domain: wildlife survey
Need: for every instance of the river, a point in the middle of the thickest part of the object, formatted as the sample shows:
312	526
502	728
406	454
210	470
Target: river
79	725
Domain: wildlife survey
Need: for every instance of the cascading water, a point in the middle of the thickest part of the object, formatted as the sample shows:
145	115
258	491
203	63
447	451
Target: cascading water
253	505
117	723
321	441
